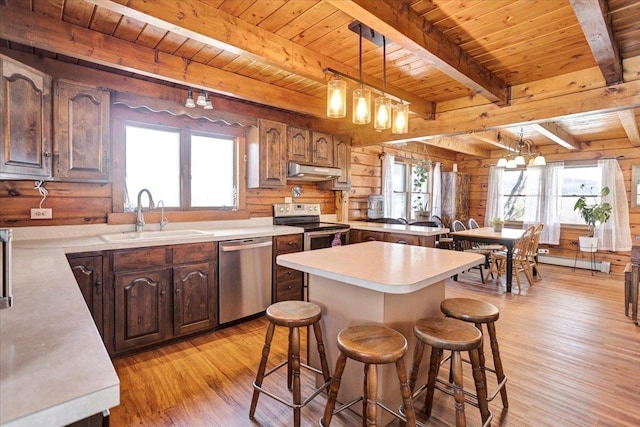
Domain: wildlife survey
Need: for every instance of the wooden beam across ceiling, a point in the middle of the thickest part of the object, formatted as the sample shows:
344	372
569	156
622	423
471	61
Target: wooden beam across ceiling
407	28
213	27
557	135
71	40
630	125
595	20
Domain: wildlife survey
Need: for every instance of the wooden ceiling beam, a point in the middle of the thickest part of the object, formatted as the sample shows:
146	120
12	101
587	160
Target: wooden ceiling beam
450	143
36	30
489	137
213	27
595	20
630	125
557	135
397	21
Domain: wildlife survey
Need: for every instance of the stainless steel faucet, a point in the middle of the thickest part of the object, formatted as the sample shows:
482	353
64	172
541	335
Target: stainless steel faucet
139	216
163	220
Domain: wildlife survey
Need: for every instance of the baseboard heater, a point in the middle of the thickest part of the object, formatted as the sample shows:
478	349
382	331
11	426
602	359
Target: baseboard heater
584	263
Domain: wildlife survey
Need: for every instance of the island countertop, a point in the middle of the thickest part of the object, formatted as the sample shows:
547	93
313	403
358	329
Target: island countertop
381	266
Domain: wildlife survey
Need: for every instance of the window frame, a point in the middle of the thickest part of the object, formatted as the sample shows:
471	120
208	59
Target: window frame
123	116
408	184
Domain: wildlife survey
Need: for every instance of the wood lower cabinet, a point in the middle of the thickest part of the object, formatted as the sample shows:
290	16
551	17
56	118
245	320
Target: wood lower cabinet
162	293
288	284
88	272
359	236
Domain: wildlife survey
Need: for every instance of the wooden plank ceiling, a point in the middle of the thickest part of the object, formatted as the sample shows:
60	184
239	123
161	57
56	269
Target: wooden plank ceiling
443	55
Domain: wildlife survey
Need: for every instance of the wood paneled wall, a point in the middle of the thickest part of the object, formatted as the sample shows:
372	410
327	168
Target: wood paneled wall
366	170
479	171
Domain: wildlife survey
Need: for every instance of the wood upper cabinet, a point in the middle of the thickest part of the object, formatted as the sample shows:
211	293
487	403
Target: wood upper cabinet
89	275
25	126
267	155
322	149
342	161
81	133
299	145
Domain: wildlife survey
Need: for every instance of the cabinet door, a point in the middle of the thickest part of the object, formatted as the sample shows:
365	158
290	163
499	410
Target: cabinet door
299	145
88	274
81	130
142	308
273	154
322	149
194	297
342	154
25	126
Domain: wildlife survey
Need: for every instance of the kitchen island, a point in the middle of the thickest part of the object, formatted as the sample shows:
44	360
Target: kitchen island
376	283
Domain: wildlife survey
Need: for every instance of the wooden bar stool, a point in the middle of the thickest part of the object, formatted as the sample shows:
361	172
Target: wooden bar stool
292	315
443	333
480	312
372	345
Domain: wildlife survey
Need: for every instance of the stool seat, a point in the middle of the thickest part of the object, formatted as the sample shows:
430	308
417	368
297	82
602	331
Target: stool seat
470	310
292	314
447	333
372	344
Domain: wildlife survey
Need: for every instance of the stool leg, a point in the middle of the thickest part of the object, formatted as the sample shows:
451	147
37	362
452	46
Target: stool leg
289	361
627	295
333	390
434	366
497	362
370	395
295	369
481	387
261	368
405	392
635	282
323	358
417	360
481	356
458	393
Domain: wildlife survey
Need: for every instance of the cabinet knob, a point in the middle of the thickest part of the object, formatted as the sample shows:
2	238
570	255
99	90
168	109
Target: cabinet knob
162	293
177	290
98	286
47	153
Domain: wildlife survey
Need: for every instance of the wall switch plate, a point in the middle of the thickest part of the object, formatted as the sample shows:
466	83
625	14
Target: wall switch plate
543	251
46	213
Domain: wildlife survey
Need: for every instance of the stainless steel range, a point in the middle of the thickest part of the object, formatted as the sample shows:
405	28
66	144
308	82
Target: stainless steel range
317	234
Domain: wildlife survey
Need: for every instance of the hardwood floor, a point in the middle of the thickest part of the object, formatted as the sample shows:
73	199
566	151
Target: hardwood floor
571	356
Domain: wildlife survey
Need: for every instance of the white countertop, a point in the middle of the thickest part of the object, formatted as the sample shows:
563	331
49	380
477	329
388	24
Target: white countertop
398	228
385	267
54	368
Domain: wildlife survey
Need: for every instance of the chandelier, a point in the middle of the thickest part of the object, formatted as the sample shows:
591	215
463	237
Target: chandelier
515	156
386	115
202	100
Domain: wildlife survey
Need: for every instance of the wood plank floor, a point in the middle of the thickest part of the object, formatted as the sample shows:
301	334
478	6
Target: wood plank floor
571	356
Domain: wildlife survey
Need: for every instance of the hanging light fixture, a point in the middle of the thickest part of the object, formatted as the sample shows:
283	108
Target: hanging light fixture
189	102
201	101
207	105
515	156
336	98
400	118
382	105
361	96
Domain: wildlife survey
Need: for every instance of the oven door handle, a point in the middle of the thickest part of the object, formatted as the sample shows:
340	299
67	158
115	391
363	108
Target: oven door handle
325	232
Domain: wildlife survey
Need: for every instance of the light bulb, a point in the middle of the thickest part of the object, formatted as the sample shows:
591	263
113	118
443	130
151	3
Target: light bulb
539	160
502	162
361	106
189	102
201	99
383	113
336	98
520	161
400	119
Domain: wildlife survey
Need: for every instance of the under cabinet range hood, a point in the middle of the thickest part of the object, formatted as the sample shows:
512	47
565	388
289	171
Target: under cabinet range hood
311	173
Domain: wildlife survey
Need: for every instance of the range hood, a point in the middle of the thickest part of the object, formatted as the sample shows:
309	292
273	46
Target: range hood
298	172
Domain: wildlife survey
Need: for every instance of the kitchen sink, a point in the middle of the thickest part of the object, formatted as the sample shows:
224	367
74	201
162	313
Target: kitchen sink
133	237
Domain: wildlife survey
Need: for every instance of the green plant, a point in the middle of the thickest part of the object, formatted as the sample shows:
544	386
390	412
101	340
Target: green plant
420	172
595	212
419	205
496	221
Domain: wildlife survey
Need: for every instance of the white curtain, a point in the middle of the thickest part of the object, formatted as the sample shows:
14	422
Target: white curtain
543	203
615	234
387	183
436	199
494	195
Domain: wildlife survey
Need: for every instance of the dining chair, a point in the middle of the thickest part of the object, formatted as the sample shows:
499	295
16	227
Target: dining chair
443	241
467	246
533	250
472	224
520	258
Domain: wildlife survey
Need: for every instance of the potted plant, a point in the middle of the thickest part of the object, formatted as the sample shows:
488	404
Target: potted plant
420	209
593	213
497	224
420	172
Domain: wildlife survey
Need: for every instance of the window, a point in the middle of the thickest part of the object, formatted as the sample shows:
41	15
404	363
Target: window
189	164
407	197
516	194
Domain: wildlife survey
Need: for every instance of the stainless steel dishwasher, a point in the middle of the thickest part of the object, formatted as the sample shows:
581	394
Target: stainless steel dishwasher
244	277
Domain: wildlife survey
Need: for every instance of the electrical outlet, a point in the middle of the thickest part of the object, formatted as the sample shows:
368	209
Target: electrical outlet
46	213
543	251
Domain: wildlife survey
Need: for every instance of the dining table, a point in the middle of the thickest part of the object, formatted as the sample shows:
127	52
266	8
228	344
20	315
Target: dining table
506	237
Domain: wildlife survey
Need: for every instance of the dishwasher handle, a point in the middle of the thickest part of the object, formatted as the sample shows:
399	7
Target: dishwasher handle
245	246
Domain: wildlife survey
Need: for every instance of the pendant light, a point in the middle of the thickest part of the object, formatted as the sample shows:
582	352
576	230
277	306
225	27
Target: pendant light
208	105
382	103
400	118
361	97
336	98
189	102
201	101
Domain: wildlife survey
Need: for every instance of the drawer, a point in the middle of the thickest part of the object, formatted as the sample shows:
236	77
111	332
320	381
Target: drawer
284	274
140	259
287	244
406	239
195	252
368	236
291	290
